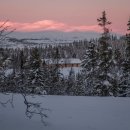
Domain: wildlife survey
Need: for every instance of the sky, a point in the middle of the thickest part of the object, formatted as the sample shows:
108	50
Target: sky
64	15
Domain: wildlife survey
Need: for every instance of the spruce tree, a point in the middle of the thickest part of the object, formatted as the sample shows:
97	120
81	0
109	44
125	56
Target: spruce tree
55	75
70	83
2	80
79	88
35	75
21	75
126	65
89	64
105	58
3	57
116	72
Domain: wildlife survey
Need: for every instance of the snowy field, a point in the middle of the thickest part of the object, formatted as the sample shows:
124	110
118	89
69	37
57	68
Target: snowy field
66	71
67	113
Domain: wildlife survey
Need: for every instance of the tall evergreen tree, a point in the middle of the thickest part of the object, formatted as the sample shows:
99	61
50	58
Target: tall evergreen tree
35	75
89	64
2	80
79	88
116	72
104	87
70	84
55	75
126	65
21	75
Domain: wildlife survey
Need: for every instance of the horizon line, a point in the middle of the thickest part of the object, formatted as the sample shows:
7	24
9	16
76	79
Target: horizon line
50	25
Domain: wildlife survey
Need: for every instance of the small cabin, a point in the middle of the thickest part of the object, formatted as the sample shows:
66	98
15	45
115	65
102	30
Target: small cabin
63	63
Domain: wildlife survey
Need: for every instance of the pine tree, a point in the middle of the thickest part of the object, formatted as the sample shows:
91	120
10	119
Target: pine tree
2	80
89	64
55	75
116	72
3	57
35	74
105	58
126	65
70	87
117	57
79	88
22	72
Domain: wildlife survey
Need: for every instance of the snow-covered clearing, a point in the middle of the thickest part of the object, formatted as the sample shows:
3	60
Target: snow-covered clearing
68	113
65	71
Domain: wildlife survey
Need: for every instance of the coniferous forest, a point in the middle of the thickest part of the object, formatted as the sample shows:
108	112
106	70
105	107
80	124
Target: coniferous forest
105	66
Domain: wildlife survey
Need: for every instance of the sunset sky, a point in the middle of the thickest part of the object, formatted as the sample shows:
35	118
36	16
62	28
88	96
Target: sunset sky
64	15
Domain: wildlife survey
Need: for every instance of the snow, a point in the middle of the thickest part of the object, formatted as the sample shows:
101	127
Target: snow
68	113
64	61
65	71
8	72
107	83
70	61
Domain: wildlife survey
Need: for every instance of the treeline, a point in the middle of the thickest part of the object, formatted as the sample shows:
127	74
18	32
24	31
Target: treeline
107	72
25	71
105	67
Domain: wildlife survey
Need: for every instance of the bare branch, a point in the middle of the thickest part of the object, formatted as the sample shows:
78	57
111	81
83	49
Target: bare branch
34	109
4	23
5	30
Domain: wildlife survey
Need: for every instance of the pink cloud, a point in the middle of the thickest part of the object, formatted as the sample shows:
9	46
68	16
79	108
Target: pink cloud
50	25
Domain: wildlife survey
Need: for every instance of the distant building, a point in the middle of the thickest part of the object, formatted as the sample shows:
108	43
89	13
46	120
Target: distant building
63	63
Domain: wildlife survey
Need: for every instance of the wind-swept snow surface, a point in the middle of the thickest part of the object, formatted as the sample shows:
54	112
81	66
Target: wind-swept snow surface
67	113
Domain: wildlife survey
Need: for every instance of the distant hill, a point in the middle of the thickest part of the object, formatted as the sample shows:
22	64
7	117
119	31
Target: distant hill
30	39
56	35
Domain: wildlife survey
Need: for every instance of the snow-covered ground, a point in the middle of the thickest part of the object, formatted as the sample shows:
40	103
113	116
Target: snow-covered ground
68	113
65	71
